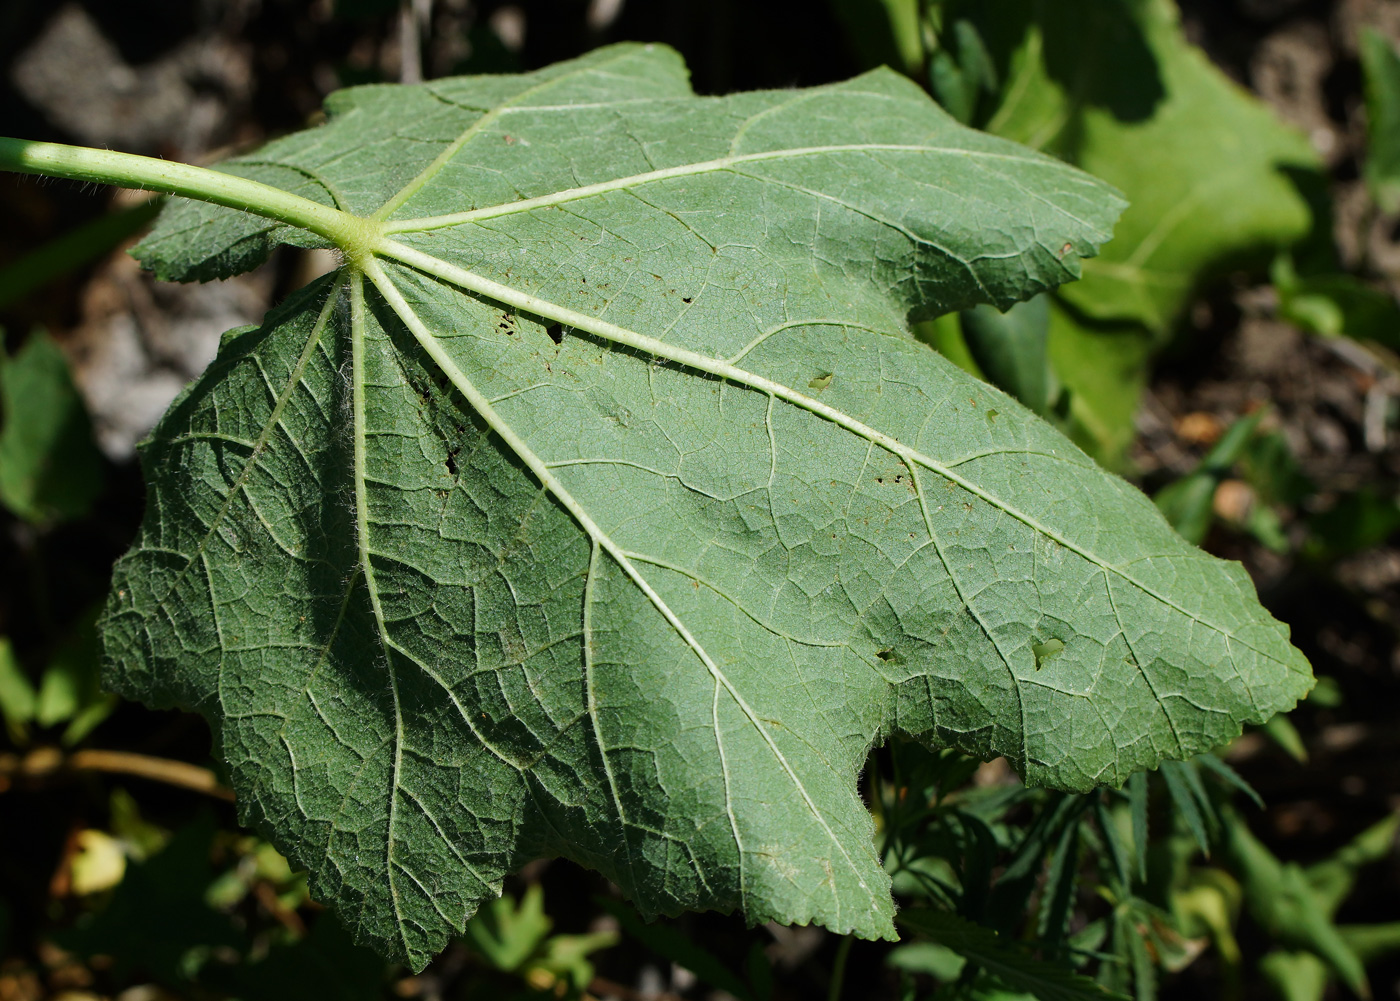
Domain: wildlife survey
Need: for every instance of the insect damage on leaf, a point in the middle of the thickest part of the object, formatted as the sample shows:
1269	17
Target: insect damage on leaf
458	592
1045	651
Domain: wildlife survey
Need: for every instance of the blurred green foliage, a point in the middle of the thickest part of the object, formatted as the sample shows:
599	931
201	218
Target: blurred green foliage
1380	65
50	470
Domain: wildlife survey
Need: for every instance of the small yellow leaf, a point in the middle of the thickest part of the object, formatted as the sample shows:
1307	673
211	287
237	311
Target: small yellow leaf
99	863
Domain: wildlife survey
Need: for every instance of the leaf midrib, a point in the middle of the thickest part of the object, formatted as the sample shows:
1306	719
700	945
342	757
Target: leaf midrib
427	223
357	379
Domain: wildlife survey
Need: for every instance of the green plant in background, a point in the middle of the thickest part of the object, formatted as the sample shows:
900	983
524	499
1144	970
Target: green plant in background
602	505
1213	181
68	695
1380	64
157	919
1116	89
174	916
1323	300
1014	864
50	473
1332	304
1190	502
50	470
1296	906
515	939
1012	878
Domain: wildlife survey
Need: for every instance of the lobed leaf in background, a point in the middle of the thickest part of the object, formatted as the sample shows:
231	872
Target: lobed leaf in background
1208	170
602	505
1211	176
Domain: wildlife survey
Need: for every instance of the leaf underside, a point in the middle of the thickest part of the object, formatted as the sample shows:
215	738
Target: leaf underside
461	584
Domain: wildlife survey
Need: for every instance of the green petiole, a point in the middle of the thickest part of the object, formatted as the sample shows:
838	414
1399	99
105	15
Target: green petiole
354	235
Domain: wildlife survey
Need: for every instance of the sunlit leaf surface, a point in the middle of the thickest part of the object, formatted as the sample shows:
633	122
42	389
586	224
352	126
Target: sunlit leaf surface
601	506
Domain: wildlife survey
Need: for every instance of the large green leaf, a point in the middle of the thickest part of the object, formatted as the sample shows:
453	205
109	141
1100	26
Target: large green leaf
602	506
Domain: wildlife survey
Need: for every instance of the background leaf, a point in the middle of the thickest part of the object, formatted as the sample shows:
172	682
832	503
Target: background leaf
1010	348
1116	89
1214	181
49	467
1007	961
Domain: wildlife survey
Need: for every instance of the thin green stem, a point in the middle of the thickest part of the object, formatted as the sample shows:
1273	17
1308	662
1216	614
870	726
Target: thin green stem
353	234
838	969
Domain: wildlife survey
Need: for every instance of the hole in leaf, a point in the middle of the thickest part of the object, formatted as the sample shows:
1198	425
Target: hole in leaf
821	381
555	332
1044	651
890	657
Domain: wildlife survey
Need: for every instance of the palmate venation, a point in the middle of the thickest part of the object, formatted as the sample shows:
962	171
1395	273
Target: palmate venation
601	506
